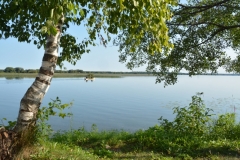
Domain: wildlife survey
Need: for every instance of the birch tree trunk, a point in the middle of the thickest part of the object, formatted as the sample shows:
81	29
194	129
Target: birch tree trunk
32	99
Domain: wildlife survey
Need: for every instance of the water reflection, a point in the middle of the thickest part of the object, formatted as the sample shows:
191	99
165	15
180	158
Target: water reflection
16	78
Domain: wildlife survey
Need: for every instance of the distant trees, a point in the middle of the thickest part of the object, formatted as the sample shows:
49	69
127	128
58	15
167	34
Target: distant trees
18	70
9	70
21	70
14	70
31	71
75	71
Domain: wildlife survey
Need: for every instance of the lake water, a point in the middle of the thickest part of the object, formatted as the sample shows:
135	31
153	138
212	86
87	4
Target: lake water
128	103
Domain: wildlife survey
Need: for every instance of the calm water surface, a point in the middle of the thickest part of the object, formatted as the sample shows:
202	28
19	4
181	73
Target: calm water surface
129	103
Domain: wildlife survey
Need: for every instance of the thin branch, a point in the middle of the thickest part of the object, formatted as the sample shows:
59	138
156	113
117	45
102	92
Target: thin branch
200	23
205	6
202	8
218	31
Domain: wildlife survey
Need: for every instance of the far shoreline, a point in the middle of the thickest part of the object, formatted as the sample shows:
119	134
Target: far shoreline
72	75
97	75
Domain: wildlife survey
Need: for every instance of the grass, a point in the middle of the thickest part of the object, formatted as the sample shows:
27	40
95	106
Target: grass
81	144
193	134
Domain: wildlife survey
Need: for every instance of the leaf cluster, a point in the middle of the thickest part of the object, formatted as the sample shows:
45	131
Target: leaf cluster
55	108
34	20
200	30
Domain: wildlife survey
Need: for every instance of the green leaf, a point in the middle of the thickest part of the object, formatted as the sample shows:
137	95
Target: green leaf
44	29
135	3
81	12
51	15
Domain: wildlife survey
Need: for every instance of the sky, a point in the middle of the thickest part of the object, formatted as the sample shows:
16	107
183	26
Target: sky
28	56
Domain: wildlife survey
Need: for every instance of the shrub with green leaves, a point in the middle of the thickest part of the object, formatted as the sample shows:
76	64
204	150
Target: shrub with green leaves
191	120
55	108
225	127
185	133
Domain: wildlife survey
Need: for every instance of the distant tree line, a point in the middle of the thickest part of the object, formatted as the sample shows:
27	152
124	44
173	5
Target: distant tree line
18	70
119	72
69	71
21	70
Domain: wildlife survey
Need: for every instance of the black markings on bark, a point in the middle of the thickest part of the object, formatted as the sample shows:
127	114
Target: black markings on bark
30	120
24	110
29	102
50	58
29	92
51	46
46	72
42	81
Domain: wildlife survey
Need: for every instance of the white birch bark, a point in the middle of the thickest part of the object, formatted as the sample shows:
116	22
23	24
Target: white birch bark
32	99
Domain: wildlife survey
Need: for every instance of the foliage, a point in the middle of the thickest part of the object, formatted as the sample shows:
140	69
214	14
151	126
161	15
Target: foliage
55	108
191	120
34	20
9	70
8	125
201	31
225	127
19	70
192	133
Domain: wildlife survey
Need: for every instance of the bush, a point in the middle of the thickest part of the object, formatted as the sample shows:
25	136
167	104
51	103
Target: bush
183	135
225	127
191	120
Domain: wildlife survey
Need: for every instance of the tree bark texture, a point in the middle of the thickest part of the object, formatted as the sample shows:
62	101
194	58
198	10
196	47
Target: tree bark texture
32	99
7	143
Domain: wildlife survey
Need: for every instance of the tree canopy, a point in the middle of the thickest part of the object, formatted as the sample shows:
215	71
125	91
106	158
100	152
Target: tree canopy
30	21
201	31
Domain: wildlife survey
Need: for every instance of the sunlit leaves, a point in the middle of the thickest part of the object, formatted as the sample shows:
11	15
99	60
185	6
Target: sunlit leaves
138	19
44	29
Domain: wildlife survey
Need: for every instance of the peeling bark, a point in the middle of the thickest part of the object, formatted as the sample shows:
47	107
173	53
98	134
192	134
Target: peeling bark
32	99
